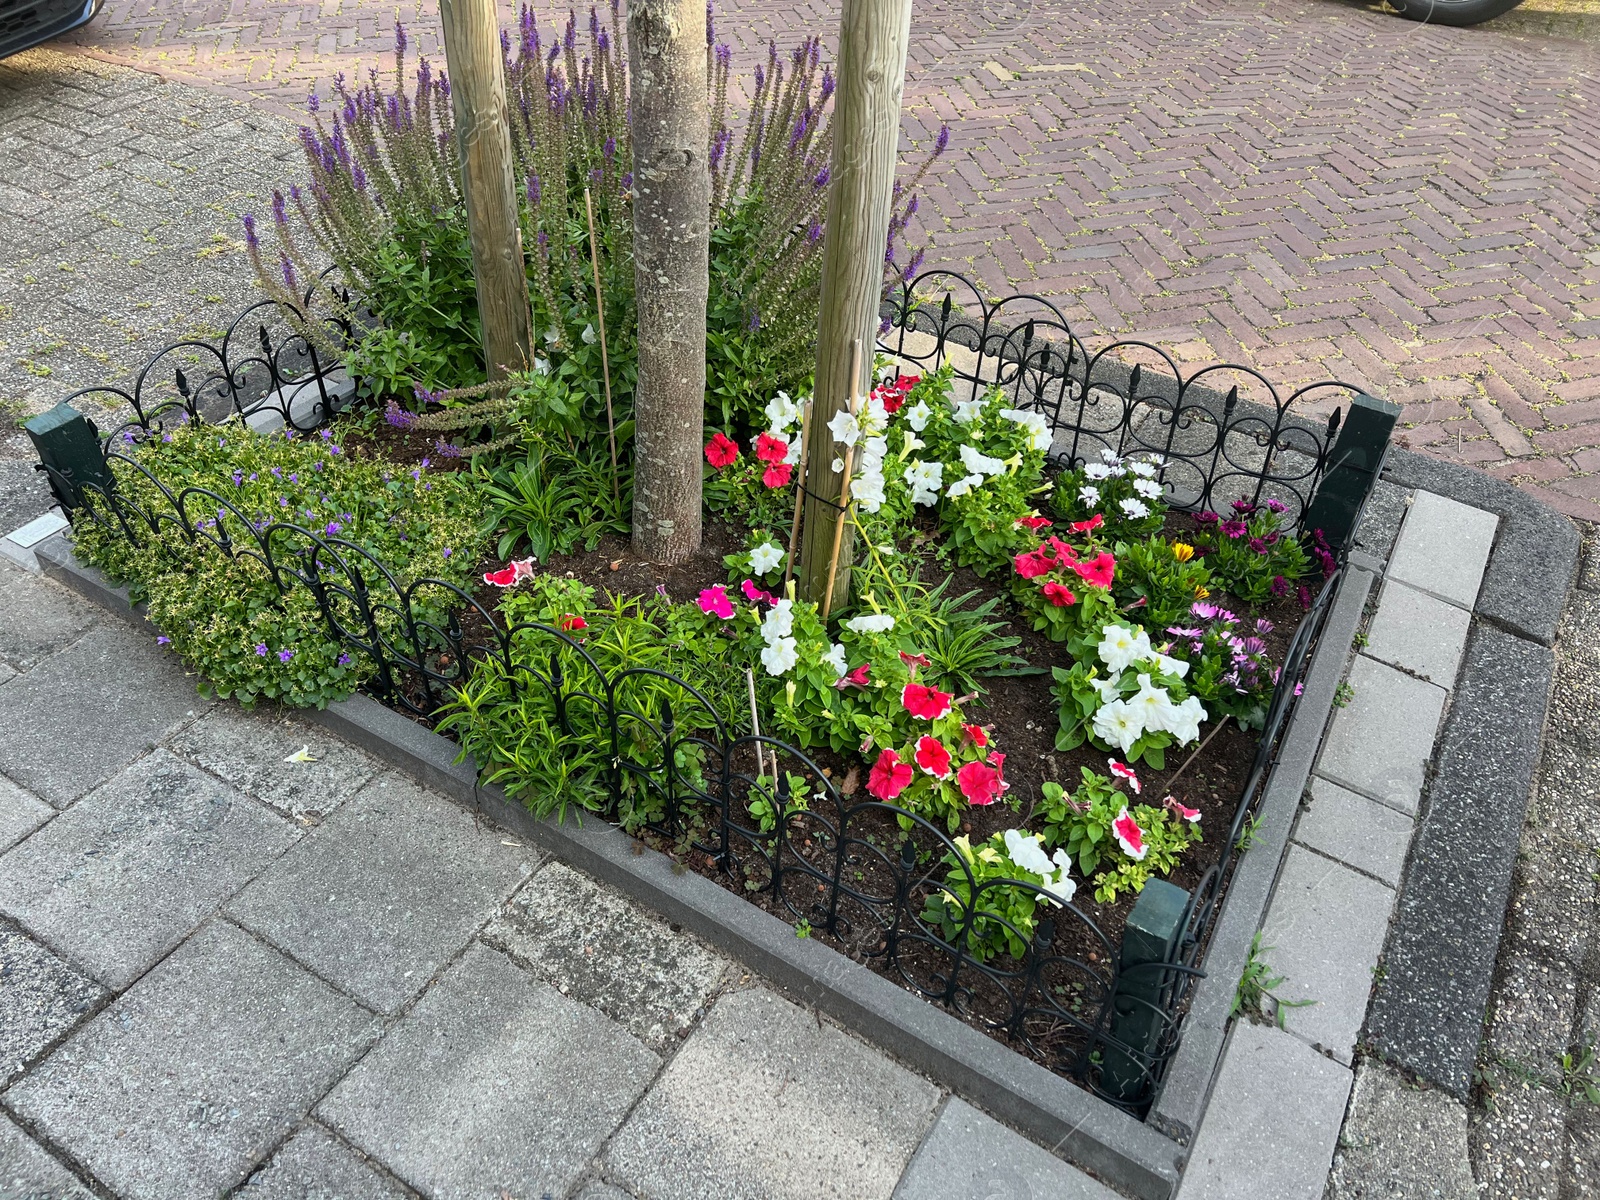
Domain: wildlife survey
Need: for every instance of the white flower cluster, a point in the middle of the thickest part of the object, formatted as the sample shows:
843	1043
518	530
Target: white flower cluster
864	430
765	558
1114	466
783	423
777	628
1038	426
1122	722
870	623
1026	851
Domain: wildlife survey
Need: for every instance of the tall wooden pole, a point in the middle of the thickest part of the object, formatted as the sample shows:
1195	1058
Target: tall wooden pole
873	35
483	144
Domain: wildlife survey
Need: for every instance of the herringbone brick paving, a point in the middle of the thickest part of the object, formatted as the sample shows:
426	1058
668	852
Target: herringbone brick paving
1311	188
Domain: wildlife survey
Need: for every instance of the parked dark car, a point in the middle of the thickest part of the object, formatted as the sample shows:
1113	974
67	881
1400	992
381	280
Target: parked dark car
25	23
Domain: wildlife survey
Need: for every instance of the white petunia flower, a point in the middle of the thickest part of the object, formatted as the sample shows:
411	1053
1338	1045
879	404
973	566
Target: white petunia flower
873	451
1025	850
1110	688
1184	724
979	463
1154	705
844	427
778	623
918	415
1121	646
782	412
1118	724
835	658
1172	666
1096	471
968	411
794	451
838	466
911	442
1134	508
765	557
874	416
867	490
779	656
963	485
1037	425
925	479
870	623
1089	494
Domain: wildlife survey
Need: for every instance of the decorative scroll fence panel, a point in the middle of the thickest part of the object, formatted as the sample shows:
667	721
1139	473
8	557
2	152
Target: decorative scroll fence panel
677	765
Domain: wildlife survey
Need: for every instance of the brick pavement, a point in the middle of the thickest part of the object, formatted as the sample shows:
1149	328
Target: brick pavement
1313	188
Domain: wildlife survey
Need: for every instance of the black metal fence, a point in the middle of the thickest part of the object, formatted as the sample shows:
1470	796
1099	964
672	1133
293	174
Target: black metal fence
861	873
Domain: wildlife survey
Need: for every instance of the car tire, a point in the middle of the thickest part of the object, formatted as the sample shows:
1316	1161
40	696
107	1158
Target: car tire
1453	12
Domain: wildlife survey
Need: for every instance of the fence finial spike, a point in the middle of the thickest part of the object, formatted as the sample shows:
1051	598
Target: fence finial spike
1333	422
183	383
1133	380
1232	402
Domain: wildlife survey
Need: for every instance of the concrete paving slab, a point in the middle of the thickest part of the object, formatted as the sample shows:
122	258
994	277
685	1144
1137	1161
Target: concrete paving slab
1401	1142
1361	833
1419	633
602	949
1443	548
119	879
1519	1144
180	1088
510	1087
250	750
386	892
40	618
1530	1021
599	1190
28	1173
1272	1122
1326	928
21	812
41	999
764	1100
314	1165
969	1154
85	713
1380	743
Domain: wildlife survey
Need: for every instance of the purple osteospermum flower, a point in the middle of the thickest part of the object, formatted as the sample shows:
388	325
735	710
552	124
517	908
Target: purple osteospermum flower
1277	506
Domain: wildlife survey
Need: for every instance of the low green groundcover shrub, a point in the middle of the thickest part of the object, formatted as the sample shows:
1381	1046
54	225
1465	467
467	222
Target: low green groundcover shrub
313	509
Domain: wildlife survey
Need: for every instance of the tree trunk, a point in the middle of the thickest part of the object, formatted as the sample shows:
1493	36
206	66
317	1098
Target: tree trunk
671	248
483	144
873	35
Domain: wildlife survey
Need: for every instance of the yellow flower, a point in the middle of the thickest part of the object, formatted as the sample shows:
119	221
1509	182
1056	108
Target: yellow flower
1201	593
1182	551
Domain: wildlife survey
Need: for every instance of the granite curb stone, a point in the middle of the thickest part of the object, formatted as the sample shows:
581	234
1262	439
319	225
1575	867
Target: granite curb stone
1359	832
28	1173
312	1165
1419	633
1325	929
970	1156
1536	554
121	877
1379	744
766	1100
1273	1120
514	1087
137	1095
385	893
1427	1013
1443	548
41	999
21	812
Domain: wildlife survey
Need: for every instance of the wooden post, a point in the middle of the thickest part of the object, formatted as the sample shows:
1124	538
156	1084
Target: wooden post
873	35
483	144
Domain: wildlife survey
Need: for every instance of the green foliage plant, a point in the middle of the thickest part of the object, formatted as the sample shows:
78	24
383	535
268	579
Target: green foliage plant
1003	917
1080	822
1249	553
1124	693
1230	669
1161	577
1125	491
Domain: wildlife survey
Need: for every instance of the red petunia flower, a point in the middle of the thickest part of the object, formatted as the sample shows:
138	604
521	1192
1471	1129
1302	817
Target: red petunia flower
770	449
889	776
1129	836
891	400
856	678
925	702
1088	526
1098	571
1124	771
915	660
933	757
976	734
777	475
1062	551
569	623
1191	815
721	450
513	572
980	783
1032	563
1058	594
1034	523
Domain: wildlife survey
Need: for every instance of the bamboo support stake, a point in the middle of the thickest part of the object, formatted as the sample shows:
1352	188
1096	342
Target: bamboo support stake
799	491
842	517
755	727
605	362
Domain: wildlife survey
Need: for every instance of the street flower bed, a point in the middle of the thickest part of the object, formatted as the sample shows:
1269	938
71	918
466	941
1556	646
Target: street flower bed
1045	688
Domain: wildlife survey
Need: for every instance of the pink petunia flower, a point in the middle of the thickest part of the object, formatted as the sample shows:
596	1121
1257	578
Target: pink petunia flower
889	776
1032	563
514	572
1090	525
980	782
1191	815
721	450
1058	594
1099	571
1129	836
770	449
976	734
755	594
1124	771
1033	523
777	475
933	757
715	600
856	678
927	703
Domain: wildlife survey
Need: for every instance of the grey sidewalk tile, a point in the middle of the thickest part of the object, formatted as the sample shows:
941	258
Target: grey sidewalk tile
39	617
1325	928
1443	548
1272	1122
508	1086
600	1190
1401	1142
312	1165
41	998
971	1156
28	1173
178	1089
83	714
1363	833
601	948
1519	1145
1381	741
766	1100
386	892
21	812
1419	633
250	750
120	878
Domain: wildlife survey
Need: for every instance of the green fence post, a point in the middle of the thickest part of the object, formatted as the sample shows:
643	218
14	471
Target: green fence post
1138	1018
1353	466
68	443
